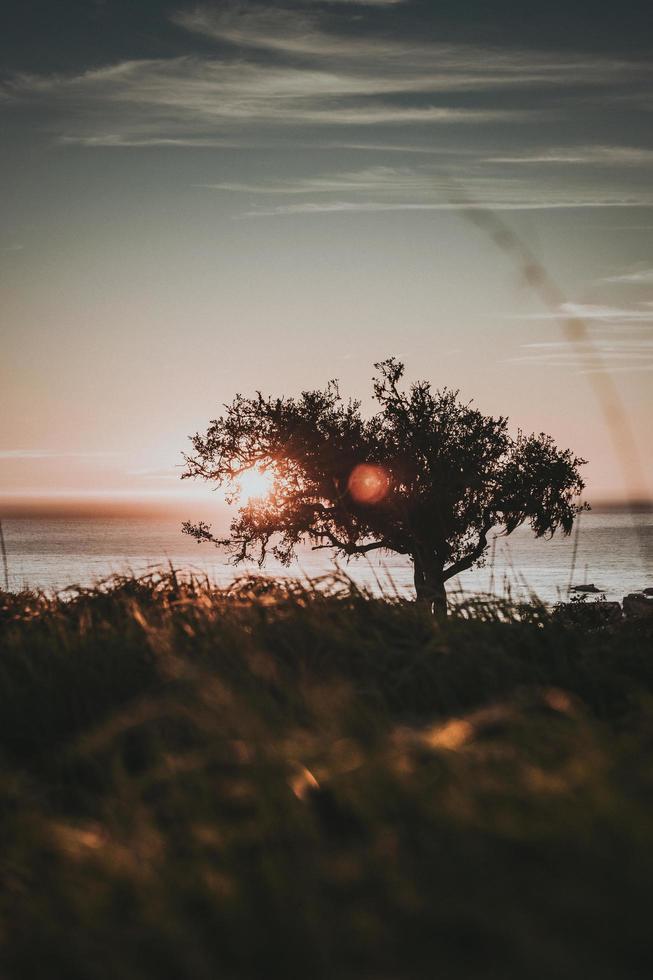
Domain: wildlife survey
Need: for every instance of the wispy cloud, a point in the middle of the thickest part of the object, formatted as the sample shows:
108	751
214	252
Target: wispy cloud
116	139
423	64
334	207
637	276
302	67
602	353
53	454
604	155
425	187
287	142
618	339
359	3
186	97
310	74
370	180
641	313
155	474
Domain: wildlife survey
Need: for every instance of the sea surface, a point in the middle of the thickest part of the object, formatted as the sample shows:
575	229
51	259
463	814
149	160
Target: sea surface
614	550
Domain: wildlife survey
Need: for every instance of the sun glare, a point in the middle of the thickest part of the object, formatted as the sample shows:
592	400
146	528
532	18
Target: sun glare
254	483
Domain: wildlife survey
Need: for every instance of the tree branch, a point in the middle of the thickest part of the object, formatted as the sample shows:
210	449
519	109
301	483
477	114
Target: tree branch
468	560
347	547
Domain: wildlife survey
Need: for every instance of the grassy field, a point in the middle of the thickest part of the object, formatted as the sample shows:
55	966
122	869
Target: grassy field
284	783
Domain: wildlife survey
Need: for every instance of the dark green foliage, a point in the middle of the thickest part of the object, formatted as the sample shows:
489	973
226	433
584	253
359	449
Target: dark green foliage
275	782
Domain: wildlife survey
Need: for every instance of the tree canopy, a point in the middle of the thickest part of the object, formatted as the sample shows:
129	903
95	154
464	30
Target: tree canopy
427	476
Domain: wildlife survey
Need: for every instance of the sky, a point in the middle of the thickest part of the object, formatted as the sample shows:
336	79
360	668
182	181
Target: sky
204	199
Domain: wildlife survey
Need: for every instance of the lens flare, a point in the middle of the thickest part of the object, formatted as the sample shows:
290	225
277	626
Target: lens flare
368	483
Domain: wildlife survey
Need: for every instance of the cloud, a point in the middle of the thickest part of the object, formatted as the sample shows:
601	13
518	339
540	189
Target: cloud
637	276
598	354
360	3
302	67
618	339
8	249
155	474
371	180
104	140
430	64
425	187
353	207
116	139
437	149
604	155
185	97
309	76
642	313
52	454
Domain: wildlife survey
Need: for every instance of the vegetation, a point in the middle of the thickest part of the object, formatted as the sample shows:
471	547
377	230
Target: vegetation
427	476
274	782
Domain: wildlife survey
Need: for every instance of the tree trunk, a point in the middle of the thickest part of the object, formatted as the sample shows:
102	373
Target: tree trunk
429	586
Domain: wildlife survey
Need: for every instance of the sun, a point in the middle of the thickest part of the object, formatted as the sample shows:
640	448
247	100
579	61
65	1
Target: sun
254	483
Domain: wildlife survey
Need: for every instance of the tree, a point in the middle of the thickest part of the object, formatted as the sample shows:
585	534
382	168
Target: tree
428	476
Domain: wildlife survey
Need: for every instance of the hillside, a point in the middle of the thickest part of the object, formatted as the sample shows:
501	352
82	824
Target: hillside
273	782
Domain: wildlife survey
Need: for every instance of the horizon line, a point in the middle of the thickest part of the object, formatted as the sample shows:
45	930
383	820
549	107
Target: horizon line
125	503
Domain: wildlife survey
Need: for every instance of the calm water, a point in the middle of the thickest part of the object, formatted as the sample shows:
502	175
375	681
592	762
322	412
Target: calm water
615	550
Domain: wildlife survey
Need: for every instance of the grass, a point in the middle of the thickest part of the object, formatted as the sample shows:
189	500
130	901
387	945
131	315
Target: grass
277	782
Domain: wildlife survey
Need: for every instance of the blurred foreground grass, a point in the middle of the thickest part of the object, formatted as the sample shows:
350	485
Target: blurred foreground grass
278	782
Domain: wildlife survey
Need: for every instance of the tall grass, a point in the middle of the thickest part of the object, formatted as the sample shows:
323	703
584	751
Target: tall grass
274	781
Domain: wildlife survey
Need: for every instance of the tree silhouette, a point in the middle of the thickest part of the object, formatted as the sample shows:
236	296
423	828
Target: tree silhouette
427	476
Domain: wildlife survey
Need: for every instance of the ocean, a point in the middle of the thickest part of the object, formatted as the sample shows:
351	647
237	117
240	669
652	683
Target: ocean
614	550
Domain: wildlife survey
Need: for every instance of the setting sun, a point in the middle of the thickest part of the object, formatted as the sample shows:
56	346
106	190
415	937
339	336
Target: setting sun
254	483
